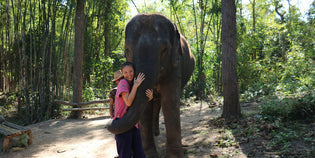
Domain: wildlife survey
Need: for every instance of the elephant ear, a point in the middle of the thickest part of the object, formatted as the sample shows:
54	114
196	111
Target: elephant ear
177	50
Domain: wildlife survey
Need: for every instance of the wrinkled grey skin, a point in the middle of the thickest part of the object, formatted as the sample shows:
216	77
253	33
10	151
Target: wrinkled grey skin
156	48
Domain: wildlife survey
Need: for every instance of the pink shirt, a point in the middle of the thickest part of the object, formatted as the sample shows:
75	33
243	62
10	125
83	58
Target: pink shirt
120	105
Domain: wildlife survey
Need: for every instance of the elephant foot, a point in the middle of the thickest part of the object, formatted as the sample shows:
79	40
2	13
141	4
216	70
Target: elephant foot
176	152
174	155
151	154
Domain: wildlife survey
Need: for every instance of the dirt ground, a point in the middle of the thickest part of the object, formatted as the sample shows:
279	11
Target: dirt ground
87	138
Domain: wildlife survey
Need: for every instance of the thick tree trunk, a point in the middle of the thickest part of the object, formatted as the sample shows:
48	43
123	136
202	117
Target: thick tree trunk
78	57
231	107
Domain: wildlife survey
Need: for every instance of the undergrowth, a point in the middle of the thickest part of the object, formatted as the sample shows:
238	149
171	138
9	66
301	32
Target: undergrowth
301	108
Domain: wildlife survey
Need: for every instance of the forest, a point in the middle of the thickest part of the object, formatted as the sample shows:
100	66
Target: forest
275	53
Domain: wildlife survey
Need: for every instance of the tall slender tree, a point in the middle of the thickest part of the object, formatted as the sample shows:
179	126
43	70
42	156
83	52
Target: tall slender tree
231	107
278	6
253	2
78	57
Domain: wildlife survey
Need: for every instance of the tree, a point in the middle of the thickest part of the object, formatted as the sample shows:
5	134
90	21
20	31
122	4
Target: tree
254	26
231	107
37	51
201	25
78	57
282	36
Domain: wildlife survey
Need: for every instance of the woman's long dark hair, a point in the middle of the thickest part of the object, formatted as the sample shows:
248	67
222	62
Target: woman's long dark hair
127	64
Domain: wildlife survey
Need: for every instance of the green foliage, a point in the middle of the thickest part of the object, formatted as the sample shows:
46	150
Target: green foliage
23	140
290	108
270	66
37	56
298	74
227	139
287	136
262	69
283	140
272	76
88	94
7	103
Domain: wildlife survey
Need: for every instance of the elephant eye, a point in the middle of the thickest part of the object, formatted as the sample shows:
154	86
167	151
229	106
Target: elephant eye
126	52
164	52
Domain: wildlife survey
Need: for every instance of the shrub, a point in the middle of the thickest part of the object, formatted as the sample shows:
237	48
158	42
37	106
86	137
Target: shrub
290	108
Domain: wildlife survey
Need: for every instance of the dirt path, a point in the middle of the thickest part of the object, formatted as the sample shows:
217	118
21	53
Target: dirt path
69	139
88	138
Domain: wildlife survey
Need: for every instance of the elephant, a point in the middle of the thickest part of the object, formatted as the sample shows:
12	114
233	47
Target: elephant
157	49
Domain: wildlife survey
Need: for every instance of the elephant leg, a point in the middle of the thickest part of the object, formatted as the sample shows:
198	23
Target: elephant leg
156	113
147	133
170	95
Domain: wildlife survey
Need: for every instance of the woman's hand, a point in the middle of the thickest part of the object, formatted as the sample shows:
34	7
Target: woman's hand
149	93
138	80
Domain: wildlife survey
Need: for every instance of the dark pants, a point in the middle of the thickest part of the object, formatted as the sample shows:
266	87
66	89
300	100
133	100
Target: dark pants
129	144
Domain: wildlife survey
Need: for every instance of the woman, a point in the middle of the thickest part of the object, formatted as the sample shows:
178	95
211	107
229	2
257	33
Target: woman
129	143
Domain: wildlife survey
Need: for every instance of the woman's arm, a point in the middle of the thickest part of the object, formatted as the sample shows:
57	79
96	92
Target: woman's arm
129	97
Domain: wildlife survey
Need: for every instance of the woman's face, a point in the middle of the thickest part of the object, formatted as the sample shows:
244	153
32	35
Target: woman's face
128	73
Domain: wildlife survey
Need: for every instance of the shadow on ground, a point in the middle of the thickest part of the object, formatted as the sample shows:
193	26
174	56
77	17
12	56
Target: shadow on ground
204	135
68	138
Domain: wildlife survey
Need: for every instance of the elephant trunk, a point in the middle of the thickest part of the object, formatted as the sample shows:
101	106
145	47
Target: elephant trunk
135	111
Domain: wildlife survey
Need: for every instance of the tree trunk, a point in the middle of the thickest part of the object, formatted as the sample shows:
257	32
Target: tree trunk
200	75
282	35
52	63
66	58
35	76
254	28
2	69
78	57
6	84
107	27
30	111
231	107
25	76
